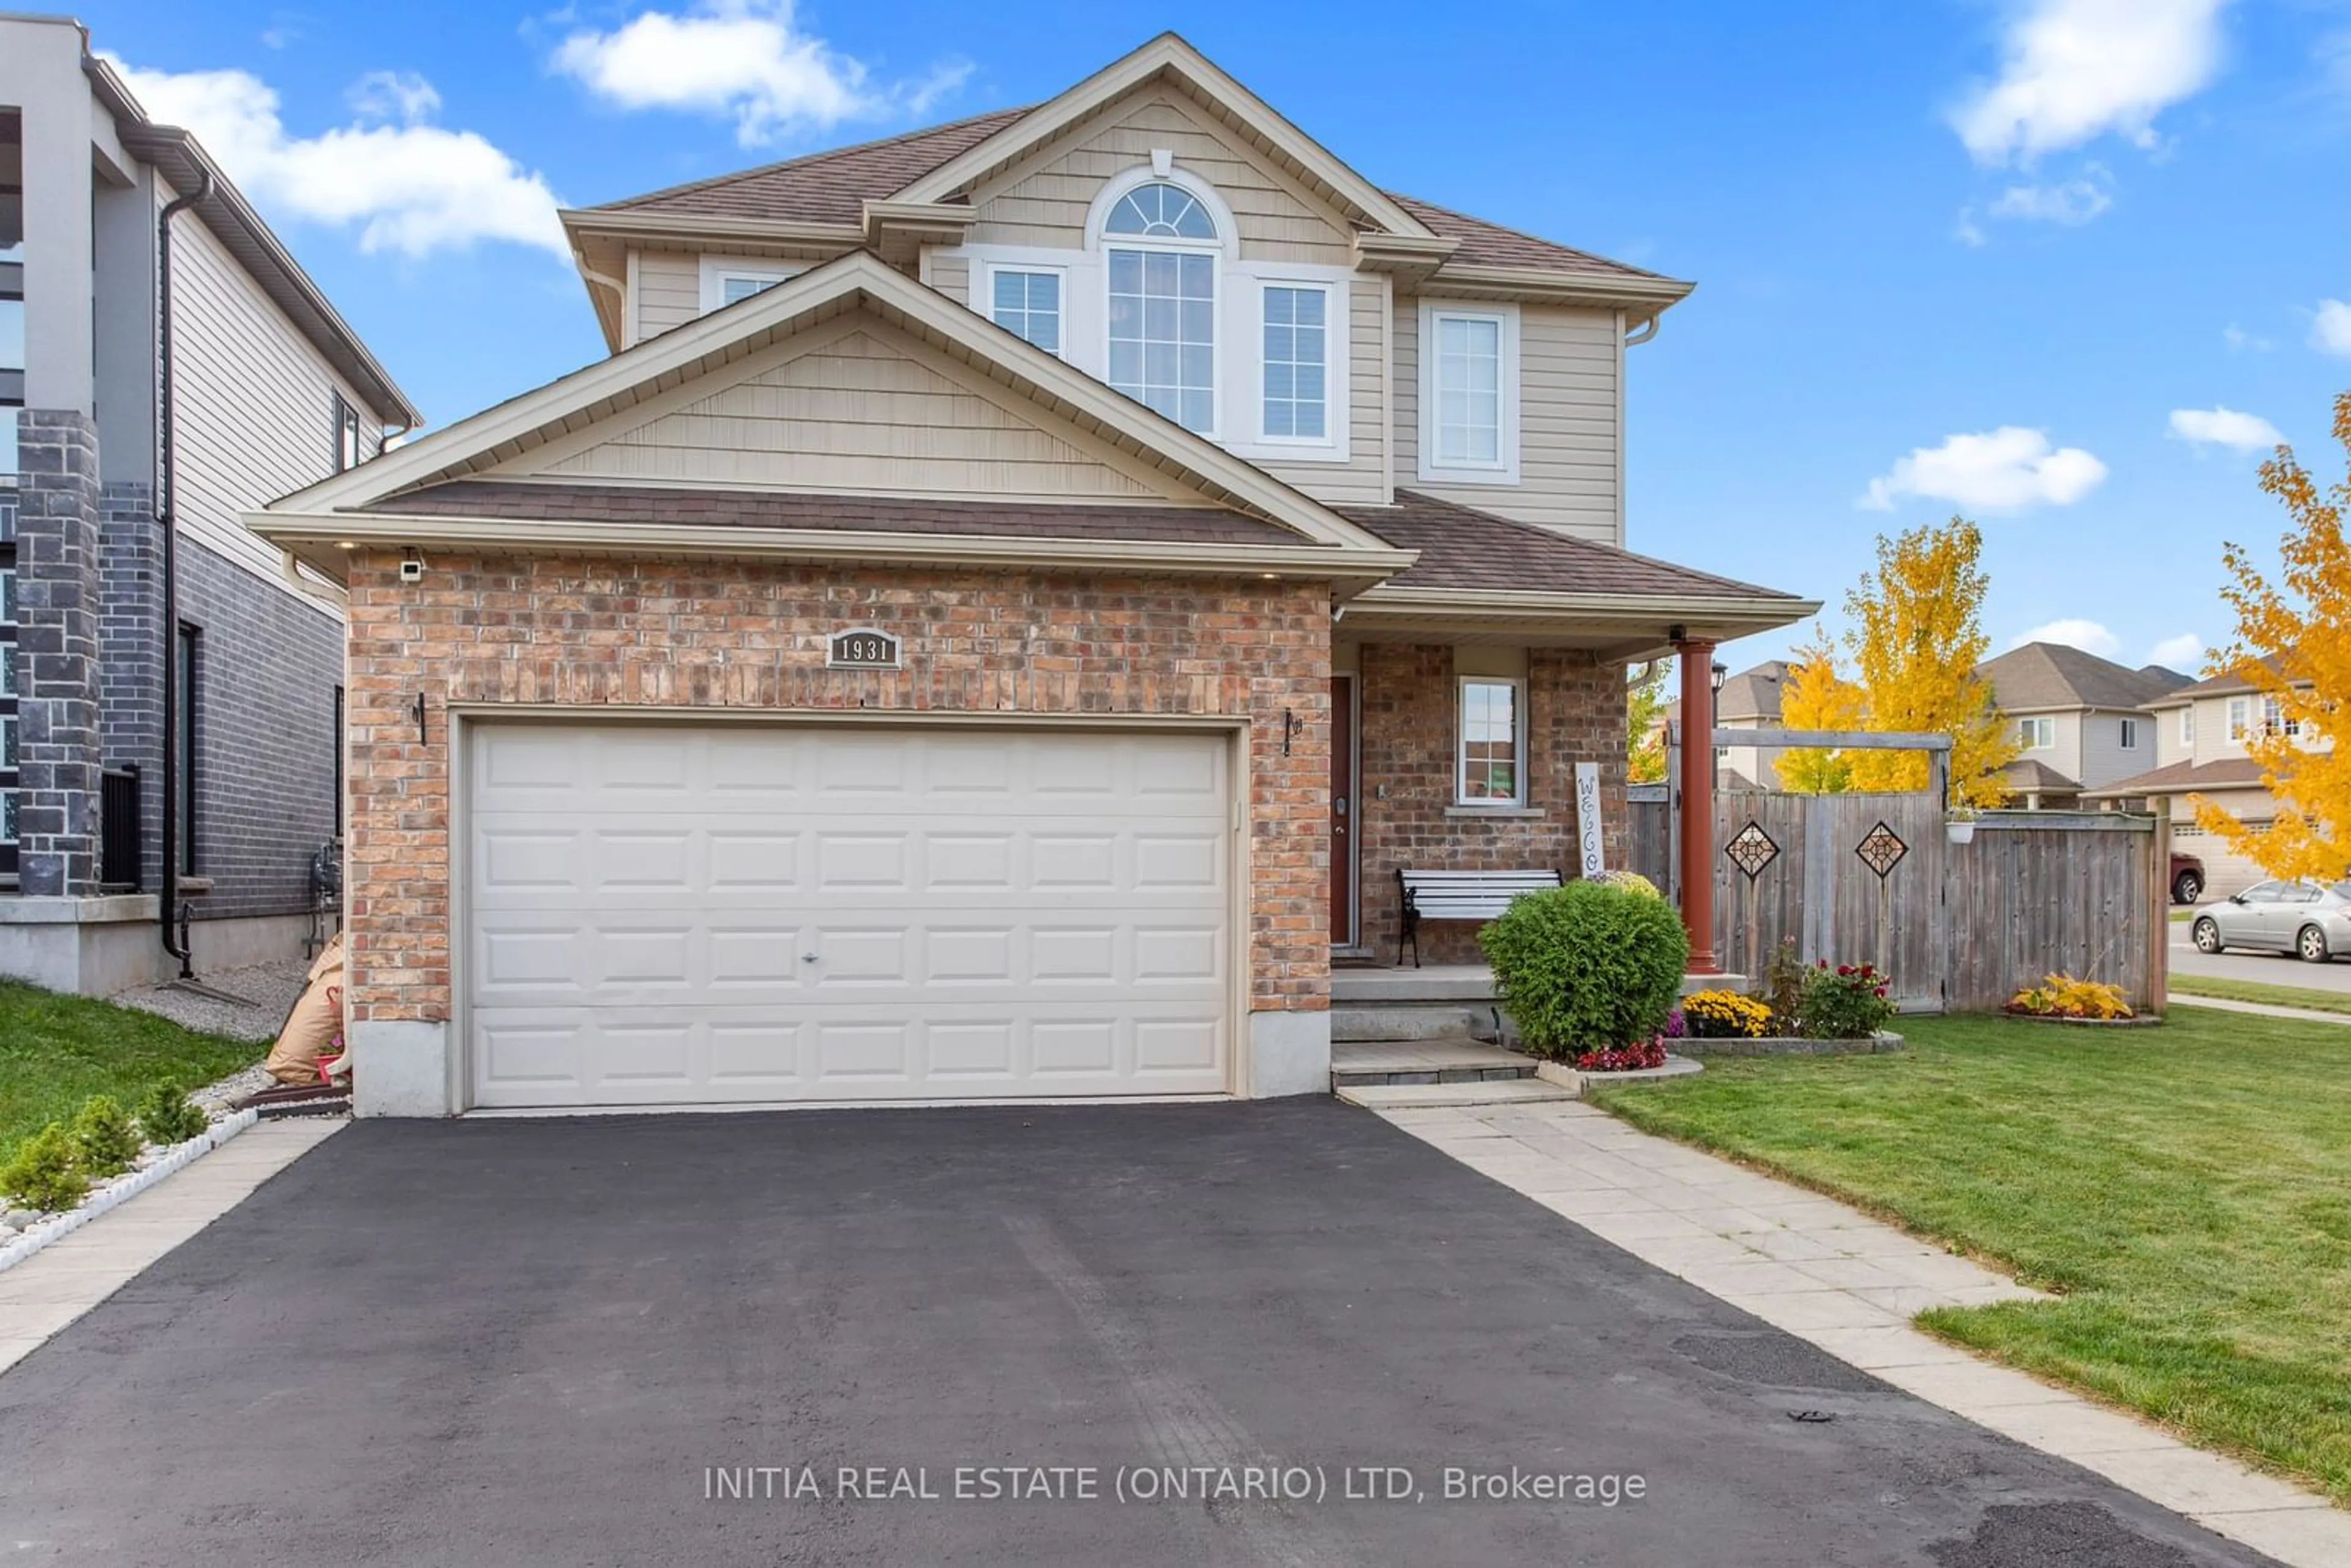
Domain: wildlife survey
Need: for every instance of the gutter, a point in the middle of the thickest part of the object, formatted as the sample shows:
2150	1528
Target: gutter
165	519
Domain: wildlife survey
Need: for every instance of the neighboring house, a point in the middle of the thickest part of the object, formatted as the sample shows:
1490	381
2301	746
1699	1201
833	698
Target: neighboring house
2077	720
1013	598
2199	735
272	391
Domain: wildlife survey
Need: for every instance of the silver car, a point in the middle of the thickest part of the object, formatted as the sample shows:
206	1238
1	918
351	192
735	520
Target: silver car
2310	919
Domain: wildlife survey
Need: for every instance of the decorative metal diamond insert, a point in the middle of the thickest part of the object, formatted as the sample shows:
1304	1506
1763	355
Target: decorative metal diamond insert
1752	850
1880	849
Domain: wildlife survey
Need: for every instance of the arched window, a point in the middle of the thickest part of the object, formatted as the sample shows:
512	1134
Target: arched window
1160	211
1161	246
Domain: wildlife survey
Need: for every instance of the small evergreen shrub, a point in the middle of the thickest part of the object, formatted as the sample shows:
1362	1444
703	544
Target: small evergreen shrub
168	1116
46	1172
1848	1002
1586	967
105	1138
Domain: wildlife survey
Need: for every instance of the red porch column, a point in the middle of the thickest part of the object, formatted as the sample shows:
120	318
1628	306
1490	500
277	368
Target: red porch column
1696	784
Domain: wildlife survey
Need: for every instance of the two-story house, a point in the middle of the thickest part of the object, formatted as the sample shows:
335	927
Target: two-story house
138	621
2200	740
2078	721
996	625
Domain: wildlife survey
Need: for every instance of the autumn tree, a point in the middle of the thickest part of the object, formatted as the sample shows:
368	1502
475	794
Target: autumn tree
1915	639
1644	732
1815	694
2293	646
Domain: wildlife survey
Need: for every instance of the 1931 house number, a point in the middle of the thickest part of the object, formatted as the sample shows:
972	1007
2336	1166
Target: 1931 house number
862	649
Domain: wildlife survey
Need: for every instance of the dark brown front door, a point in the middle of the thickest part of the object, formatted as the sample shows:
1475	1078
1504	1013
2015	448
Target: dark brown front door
1342	811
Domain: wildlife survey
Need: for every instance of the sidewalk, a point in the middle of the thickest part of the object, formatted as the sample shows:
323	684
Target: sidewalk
2266	1009
1827	1273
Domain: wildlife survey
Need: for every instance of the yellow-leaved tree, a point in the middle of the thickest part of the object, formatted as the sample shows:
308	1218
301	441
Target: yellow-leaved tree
2293	645
1915	638
1644	735
1815	694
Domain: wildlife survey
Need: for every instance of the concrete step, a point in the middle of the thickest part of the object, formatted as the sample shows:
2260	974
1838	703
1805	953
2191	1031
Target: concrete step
1421	1021
1420	1096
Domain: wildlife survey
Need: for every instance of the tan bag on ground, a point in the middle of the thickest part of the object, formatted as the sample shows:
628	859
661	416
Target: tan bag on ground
314	1024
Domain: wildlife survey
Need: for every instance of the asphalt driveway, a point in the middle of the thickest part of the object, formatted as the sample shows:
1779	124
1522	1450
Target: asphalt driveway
552	1342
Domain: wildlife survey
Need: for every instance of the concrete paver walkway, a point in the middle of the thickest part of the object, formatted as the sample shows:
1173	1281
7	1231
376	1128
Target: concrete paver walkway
1827	1273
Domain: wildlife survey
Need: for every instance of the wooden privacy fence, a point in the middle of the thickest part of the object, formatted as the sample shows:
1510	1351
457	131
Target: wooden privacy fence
1958	927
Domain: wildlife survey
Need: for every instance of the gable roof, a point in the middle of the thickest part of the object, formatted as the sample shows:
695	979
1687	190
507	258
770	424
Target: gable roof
621	391
2040	677
832	188
1753	693
2229	773
2228	683
2029	773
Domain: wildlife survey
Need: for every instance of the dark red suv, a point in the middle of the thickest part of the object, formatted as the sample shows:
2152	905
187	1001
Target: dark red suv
2187	878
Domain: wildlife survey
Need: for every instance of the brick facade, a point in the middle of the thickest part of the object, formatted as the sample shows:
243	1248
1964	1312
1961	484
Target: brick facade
1576	712
674	636
56	653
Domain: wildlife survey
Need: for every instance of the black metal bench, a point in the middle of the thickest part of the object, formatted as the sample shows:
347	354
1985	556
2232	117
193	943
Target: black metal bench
1461	895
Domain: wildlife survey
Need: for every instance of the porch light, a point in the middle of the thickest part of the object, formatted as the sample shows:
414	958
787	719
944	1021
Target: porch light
1720	673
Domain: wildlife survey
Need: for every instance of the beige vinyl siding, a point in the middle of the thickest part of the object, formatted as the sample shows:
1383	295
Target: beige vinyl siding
860	412
1568	434
669	291
253	402
2100	748
1362	479
1043	201
951	275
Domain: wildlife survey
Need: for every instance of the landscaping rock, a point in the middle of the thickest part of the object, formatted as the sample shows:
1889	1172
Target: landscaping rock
1770	1045
269	992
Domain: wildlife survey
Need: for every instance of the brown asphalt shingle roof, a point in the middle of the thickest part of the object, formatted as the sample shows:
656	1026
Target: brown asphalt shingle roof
2029	773
2053	675
2230	772
833	187
659	507
1463	548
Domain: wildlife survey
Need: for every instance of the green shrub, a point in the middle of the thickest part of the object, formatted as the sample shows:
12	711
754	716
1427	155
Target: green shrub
1848	1002
104	1137
168	1116
1587	967
46	1172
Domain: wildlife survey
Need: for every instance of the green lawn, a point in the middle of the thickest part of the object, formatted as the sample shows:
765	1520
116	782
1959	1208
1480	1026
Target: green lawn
56	1052
2186	1188
2261	991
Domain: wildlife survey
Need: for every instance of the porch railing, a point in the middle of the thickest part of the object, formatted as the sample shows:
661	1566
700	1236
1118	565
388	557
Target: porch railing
120	847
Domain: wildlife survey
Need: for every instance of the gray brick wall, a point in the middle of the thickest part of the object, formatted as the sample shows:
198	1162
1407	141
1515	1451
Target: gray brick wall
57	652
267	666
130	655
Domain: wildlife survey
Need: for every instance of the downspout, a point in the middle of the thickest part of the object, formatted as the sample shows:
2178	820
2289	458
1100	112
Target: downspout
175	944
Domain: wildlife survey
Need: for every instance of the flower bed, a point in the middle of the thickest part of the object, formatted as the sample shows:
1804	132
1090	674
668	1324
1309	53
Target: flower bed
2069	999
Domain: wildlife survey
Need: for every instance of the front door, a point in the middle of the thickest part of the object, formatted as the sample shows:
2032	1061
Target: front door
1342	811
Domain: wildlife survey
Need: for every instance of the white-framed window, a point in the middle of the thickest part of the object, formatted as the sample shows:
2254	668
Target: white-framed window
1029	302
1490	750
729	279
2188	725
1294	375
1470	394
2240	716
2036	734
2130	735
2274	718
1161	247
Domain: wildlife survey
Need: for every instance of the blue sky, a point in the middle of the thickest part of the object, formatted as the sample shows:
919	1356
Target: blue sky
2054	264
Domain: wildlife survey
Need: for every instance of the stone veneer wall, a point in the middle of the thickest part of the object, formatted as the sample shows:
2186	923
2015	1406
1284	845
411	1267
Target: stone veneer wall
600	635
57	652
1576	712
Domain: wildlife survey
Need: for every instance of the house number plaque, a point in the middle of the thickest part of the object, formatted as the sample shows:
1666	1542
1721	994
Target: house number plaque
862	649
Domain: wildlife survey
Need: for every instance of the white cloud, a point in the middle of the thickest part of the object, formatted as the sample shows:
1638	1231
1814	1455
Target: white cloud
1967	231
2224	427
409	187
2002	470
2073	70
743	58
2238	340
2184	653
2330	329
2070	202
2073	632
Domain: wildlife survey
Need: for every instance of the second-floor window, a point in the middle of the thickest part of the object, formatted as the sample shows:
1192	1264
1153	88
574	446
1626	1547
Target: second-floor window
2240	716
2274	718
2188	727
2036	734
1469	394
1297	362
1027	303
728	280
349	454
2130	735
1162	248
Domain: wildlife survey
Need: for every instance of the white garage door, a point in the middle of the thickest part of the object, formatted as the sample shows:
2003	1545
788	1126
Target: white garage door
662	916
